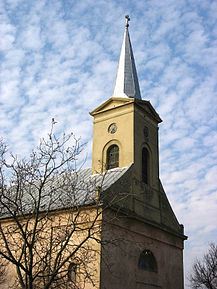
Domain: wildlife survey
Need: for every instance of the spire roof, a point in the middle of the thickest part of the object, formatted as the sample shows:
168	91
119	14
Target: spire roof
126	83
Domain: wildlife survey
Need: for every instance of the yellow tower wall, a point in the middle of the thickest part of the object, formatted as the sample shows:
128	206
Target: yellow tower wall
123	116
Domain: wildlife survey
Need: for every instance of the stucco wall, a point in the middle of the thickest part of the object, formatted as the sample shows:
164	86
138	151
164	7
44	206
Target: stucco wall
123	116
129	237
87	257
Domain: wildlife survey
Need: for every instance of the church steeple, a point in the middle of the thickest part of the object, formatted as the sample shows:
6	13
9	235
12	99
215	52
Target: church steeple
125	126
126	83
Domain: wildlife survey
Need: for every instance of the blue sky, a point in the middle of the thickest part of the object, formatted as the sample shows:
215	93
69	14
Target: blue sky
59	59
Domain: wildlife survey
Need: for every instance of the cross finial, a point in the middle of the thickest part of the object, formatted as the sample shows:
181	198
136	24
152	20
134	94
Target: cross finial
127	20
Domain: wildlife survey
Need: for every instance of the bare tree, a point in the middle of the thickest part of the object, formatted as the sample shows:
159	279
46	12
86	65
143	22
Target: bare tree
50	216
204	273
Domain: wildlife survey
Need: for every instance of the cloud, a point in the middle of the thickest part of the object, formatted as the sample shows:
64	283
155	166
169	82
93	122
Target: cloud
59	59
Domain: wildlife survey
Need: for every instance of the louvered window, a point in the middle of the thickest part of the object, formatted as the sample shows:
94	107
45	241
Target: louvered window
112	157
145	165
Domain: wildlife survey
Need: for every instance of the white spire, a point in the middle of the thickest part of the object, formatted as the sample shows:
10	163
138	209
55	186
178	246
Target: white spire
126	83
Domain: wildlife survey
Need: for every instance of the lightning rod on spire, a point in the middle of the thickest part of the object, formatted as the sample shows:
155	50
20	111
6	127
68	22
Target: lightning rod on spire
127	20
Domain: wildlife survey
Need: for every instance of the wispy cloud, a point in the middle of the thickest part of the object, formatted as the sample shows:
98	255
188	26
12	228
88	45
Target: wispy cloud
59	59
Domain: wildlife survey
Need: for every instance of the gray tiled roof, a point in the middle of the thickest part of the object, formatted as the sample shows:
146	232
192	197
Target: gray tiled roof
85	185
70	190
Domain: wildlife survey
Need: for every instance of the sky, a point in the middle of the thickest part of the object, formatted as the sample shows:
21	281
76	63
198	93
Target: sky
59	59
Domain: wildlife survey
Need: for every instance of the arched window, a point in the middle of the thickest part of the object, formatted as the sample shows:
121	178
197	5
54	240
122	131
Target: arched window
112	160
147	261
145	166
72	272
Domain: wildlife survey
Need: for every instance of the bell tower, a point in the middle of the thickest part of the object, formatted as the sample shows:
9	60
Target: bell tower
126	136
125	126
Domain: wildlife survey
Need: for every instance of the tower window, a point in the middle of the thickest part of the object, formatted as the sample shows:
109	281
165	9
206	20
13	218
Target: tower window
112	157
147	261
145	165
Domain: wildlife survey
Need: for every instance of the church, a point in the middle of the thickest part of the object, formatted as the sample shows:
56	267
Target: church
139	244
